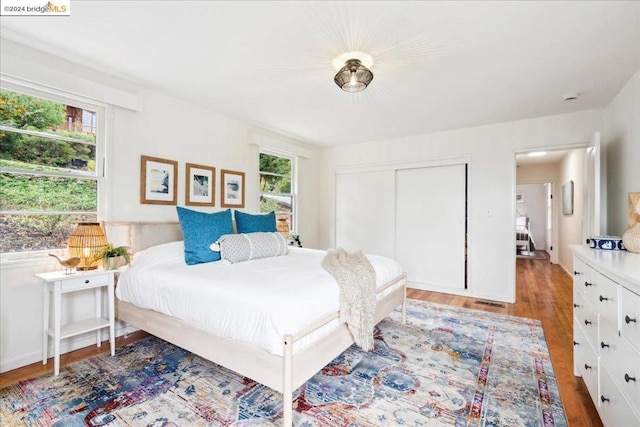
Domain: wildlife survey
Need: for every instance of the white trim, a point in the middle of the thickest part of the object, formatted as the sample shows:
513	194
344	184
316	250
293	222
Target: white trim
66	345
75	87
280	147
389	166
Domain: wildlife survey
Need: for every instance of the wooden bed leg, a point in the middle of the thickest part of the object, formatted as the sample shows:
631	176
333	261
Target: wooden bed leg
287	389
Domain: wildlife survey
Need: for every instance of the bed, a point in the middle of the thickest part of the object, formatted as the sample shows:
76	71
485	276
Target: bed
281	352
524	239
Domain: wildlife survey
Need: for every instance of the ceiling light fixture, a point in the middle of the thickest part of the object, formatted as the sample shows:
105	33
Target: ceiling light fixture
570	97
353	77
537	153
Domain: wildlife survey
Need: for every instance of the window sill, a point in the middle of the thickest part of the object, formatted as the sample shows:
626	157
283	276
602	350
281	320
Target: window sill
12	260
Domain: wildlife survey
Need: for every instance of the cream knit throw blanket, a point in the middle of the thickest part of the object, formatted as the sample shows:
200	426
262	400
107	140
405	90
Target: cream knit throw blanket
357	281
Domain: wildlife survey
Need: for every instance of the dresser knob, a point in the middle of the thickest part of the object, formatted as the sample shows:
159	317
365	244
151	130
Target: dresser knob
576	343
86	281
629	319
576	305
627	378
586	322
587	366
603	298
576	273
588	284
603	399
603	345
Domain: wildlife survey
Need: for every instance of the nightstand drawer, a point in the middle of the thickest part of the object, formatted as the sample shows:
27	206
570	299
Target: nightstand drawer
84	282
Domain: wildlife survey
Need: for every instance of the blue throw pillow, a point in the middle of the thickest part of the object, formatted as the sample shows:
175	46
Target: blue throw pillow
248	223
200	230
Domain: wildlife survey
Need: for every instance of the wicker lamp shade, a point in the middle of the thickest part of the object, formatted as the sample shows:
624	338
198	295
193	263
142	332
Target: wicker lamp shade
353	77
85	242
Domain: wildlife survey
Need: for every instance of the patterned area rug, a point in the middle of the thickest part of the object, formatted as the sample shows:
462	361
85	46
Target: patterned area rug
447	367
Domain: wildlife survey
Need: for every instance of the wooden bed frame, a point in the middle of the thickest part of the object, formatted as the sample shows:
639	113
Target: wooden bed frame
281	373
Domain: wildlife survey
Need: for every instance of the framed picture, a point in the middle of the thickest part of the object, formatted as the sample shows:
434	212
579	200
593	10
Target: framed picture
231	189
567	198
158	181
200	184
520	198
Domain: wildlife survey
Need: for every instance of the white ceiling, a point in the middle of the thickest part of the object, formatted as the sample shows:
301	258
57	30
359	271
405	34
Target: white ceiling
549	158
437	65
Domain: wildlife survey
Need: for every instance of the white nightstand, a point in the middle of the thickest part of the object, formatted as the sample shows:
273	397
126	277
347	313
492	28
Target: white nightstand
60	283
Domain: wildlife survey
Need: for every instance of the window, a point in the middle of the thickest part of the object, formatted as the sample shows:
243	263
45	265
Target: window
48	173
277	188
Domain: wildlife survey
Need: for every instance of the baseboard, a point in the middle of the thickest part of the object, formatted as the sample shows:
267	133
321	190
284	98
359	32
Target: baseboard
565	270
66	345
461	292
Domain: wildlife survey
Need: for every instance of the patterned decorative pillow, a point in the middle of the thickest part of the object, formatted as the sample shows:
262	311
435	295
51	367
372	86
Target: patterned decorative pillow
200	230
244	247
250	223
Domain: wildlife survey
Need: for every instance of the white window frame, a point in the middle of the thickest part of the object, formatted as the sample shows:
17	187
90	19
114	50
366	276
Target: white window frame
294	183
101	110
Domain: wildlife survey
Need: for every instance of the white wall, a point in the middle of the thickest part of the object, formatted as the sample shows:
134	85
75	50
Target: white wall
622	145
570	226
163	126
534	206
491	183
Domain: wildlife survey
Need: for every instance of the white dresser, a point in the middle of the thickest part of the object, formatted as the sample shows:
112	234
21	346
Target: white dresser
606	331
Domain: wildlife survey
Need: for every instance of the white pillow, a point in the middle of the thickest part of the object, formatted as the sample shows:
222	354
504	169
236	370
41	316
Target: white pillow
244	247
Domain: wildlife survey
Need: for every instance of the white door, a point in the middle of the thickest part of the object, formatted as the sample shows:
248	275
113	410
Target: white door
365	210
430	226
593	216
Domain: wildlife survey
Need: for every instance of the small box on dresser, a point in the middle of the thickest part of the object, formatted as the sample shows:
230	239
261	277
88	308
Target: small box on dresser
606	313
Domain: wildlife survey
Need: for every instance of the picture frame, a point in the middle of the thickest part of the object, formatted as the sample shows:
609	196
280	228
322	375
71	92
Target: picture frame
200	185
158	181
231	189
567	198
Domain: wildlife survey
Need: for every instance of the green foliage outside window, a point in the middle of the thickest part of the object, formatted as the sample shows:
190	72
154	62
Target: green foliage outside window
22	192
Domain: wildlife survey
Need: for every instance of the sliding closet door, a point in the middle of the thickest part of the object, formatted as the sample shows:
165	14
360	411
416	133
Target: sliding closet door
430	225
365	212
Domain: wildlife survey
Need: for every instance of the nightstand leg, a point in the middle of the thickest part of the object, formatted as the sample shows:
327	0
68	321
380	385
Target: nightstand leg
98	297
56	328
45	324
112	320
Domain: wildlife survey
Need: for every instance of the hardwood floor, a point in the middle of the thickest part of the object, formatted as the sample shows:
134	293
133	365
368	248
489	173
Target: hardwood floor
38	368
543	291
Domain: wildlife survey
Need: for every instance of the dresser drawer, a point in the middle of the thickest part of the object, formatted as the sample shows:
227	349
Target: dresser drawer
588	284
614	410
604	298
630	317
86	282
587	320
578	276
622	362
585	362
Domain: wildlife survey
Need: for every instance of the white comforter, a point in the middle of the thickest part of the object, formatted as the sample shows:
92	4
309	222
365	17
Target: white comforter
257	302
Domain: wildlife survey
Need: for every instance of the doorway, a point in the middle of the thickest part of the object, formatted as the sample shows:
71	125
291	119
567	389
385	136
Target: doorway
534	220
